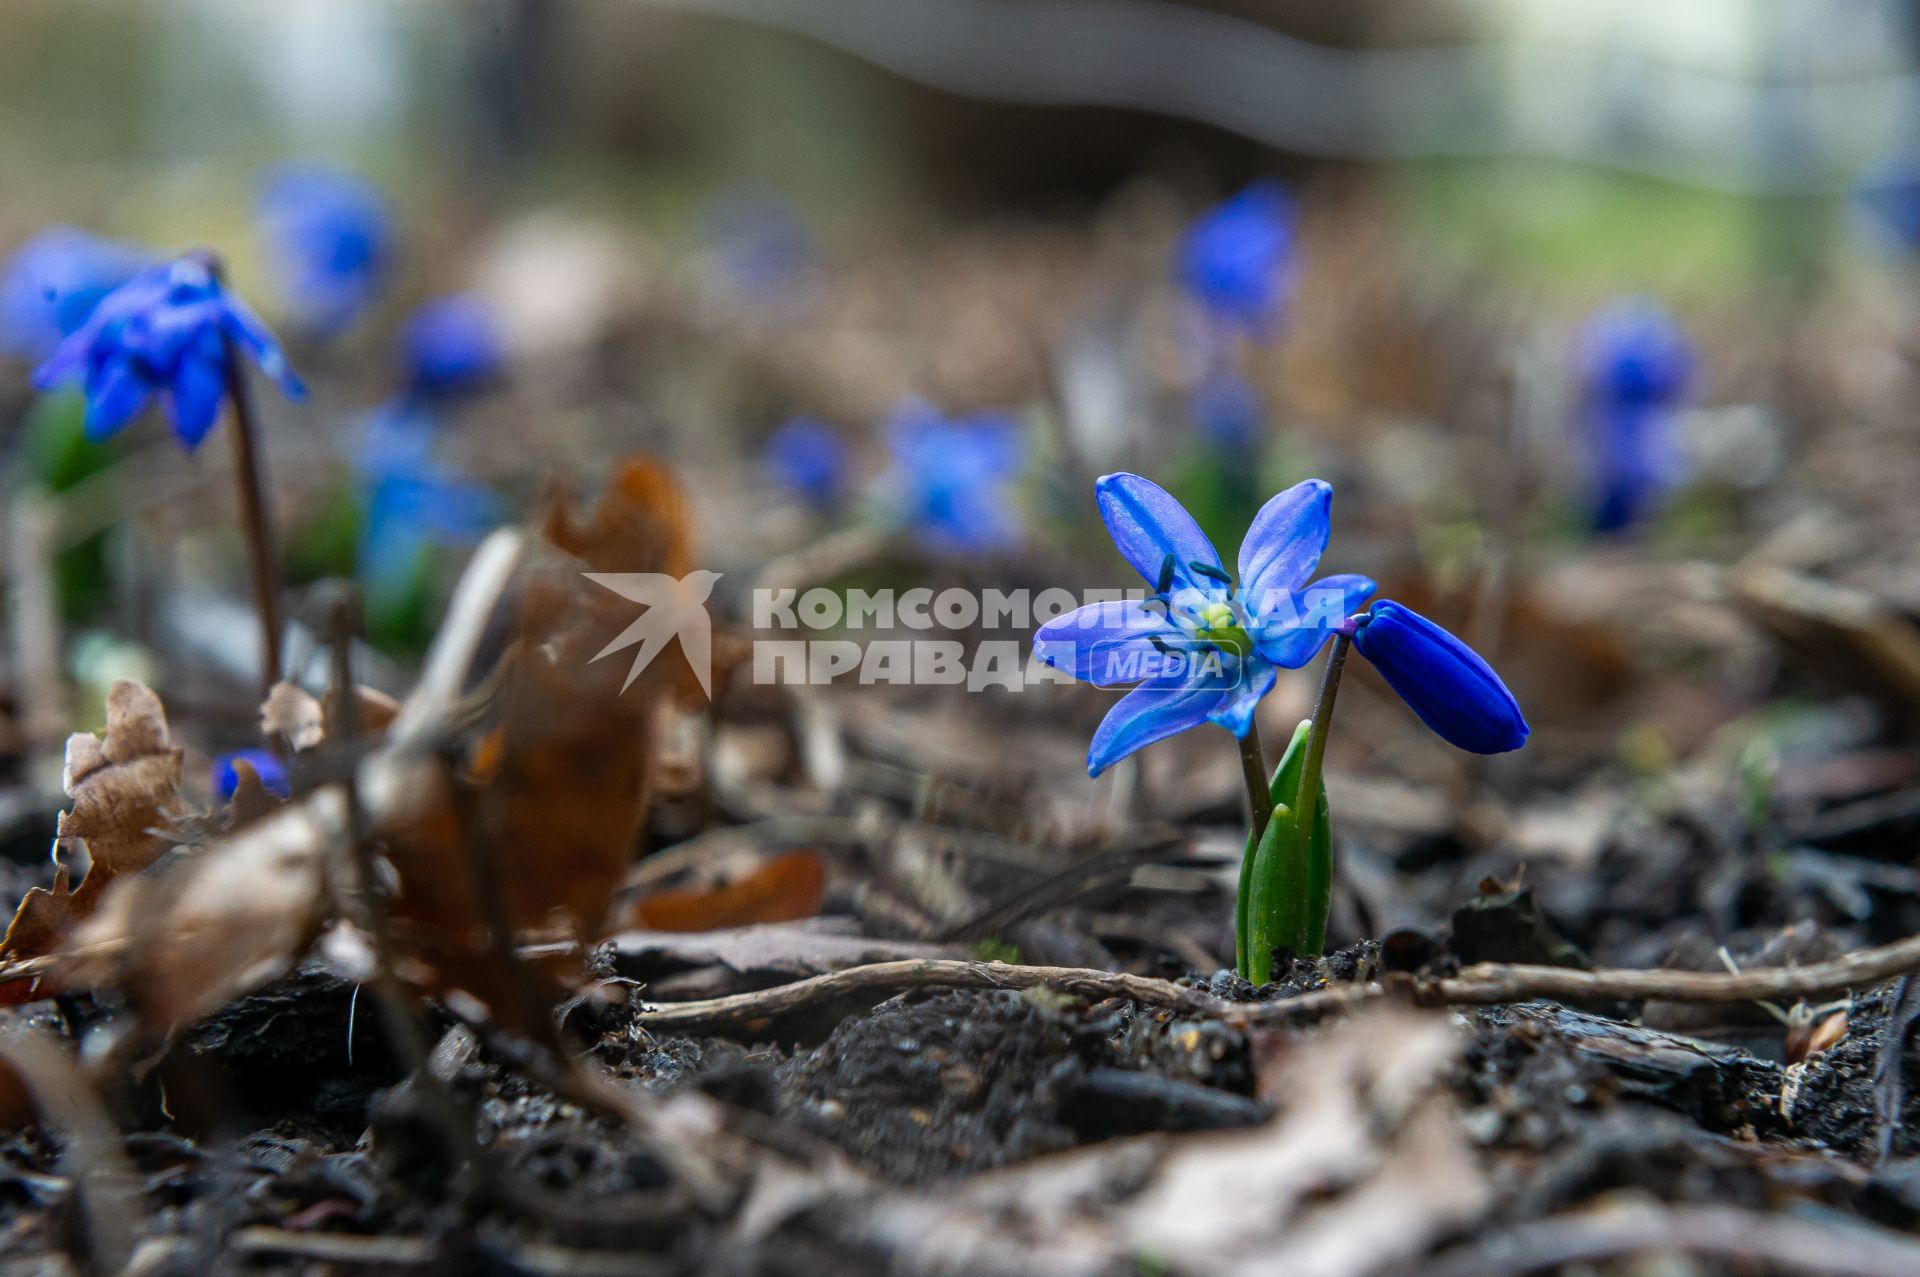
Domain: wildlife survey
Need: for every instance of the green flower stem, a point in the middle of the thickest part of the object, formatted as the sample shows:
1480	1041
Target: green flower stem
1253	766
263	564
1309	792
1282	910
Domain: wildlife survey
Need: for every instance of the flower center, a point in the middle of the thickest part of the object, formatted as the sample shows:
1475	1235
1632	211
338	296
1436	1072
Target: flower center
1219	626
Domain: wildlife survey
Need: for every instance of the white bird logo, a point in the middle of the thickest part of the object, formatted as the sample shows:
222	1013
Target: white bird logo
675	605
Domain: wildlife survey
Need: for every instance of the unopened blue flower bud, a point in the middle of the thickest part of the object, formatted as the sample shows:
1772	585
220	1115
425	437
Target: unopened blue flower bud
1442	680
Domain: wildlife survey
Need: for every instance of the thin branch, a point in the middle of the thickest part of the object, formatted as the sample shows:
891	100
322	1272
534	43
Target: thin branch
1483	985
1851	1248
1493	982
744	1010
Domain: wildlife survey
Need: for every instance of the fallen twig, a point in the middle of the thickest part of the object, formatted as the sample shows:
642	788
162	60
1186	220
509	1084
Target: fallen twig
412	1252
1483	985
1795	1244
745	1009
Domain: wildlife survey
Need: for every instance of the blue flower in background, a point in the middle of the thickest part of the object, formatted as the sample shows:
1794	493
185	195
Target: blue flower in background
451	346
761	245
1636	364
410	500
1201	649
331	235
1236	259
810	459
951	477
1227	409
1887	206
53	282
267	765
1445	682
168	330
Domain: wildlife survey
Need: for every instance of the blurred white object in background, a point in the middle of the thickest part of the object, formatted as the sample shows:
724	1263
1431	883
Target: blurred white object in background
333	75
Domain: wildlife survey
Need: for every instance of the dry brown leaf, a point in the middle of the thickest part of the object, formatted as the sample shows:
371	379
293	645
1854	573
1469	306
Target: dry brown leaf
293	714
784	889
557	787
125	786
206	925
251	798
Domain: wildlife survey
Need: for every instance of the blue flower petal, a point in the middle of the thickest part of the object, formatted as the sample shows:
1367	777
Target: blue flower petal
53	283
163	331
1235	258
1155	710
949	477
332	236
68	361
1442	679
115	396
1237	704
452	346
1152	530
253	336
266	765
1289	628
199	384
1287	538
1104	643
810	459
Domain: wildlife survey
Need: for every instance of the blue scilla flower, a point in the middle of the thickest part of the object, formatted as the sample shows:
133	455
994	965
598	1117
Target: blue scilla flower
1202	649
1235	259
451	346
1445	682
168	330
951	477
1636	364
810	459
53	282
267	765
1227	410
410	500
331	235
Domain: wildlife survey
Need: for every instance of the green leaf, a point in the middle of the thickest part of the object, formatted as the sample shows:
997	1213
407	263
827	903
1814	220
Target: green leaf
1286	881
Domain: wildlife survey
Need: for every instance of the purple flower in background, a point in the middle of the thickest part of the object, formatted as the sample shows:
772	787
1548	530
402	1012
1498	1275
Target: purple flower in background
410	500
1445	682
451	346
53	282
810	459
331	235
1201	649
1636	364
951	476
1236	259
169	330
267	765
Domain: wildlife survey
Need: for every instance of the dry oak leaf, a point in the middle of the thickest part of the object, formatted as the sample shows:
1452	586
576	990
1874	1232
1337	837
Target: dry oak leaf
557	785
125	786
